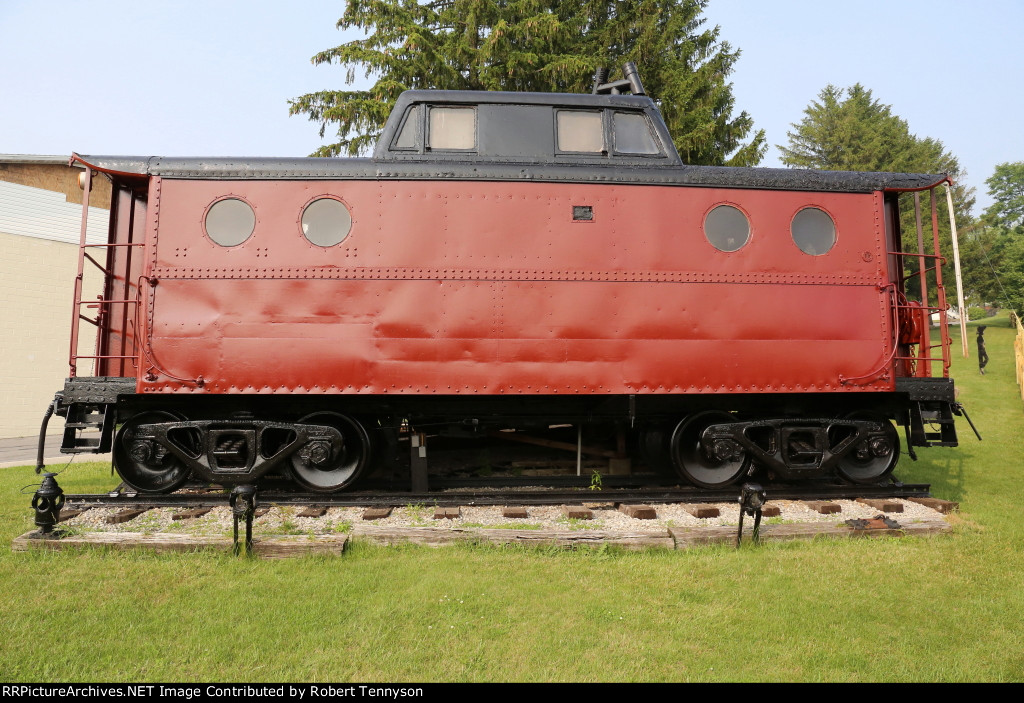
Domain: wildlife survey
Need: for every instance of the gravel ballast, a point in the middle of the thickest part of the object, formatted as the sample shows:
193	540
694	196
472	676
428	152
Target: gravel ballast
285	520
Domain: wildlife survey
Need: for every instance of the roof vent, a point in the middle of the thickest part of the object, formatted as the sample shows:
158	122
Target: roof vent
630	83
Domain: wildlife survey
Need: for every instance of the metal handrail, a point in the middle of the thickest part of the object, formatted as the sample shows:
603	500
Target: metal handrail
100	304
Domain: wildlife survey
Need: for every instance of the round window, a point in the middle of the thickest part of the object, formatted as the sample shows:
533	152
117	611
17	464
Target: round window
326	222
230	221
814	231
727	228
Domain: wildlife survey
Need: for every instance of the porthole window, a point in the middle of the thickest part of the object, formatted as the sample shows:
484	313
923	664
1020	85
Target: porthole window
230	221
727	228
326	222
813	231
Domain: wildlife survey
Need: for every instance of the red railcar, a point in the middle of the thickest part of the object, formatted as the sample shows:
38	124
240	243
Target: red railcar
504	261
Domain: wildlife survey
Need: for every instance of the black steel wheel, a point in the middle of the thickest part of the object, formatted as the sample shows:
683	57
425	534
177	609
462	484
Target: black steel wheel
873	458
329	467
142	463
694	464
653	446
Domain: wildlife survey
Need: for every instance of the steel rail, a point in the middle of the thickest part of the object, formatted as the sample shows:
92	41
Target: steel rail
489	498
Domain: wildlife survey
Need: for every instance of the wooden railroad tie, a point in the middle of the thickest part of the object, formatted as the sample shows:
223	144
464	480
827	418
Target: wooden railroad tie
885	505
691	536
514	513
271	547
825	507
190	514
124	516
702	511
377	513
68	513
639	512
943	506
312	511
260	512
577	512
770	510
447	513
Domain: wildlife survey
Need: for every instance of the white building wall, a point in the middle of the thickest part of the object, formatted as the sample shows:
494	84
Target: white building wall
39	233
34	212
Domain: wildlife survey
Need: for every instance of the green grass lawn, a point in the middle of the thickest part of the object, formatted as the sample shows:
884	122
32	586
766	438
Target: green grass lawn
948	608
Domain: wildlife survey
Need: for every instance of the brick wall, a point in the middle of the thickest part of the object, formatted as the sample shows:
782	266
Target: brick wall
36	291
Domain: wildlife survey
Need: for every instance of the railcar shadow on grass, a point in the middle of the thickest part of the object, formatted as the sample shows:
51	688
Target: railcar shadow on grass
941	468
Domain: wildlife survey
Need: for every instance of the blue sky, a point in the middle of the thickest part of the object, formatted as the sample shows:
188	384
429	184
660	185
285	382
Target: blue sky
214	77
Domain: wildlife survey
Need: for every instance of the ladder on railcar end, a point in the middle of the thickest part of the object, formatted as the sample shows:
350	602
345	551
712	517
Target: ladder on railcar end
938	415
920	364
83	419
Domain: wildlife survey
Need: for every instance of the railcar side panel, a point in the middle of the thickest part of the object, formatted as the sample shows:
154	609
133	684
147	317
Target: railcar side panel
512	337
484	226
487	288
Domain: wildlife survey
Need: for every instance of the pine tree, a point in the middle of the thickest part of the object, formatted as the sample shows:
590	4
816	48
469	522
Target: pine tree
996	270
859	133
1006	187
997	240
541	46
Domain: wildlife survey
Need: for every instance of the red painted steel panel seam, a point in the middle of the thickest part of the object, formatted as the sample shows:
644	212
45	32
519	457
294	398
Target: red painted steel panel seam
403	273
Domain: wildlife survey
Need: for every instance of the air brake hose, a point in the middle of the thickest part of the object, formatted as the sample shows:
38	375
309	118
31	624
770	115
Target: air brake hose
42	436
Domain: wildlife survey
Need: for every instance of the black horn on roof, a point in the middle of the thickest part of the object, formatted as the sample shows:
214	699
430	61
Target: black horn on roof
630	83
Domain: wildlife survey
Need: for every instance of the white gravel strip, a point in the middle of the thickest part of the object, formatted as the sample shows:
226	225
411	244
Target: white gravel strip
284	520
